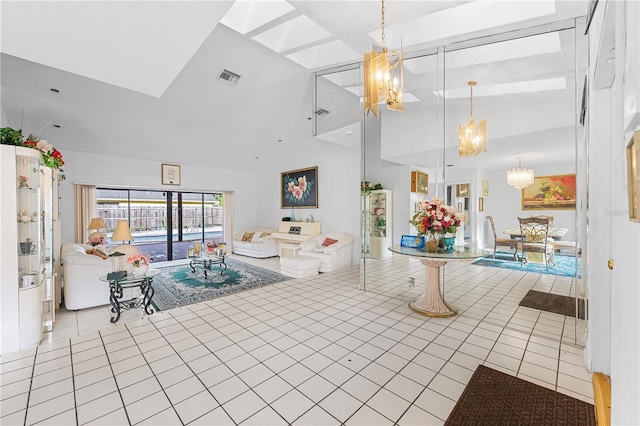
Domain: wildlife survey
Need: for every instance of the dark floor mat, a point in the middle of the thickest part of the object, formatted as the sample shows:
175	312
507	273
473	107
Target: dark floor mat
563	305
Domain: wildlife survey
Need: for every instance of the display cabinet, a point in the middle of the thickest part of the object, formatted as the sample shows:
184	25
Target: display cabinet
377	223
27	248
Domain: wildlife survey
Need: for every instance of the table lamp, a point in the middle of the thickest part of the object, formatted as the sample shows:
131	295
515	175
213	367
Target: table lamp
96	238
122	233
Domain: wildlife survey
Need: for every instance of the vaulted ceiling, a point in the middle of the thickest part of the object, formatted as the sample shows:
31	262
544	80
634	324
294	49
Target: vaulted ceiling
140	79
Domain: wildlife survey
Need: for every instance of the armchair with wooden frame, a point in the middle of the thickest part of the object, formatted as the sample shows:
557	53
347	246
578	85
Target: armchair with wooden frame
502	242
534	234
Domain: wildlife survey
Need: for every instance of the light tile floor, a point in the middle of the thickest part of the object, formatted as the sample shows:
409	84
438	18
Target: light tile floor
308	351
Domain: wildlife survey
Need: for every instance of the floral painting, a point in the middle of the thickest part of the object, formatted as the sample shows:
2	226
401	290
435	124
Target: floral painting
550	193
299	188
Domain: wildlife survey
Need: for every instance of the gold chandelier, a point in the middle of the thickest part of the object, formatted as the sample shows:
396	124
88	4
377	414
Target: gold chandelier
383	77
472	138
520	178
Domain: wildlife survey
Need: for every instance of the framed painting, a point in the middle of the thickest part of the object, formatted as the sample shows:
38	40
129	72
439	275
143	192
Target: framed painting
550	193
299	188
633	174
480	204
419	182
170	174
462	190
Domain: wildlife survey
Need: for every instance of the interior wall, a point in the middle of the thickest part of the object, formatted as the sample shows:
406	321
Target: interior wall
338	189
102	170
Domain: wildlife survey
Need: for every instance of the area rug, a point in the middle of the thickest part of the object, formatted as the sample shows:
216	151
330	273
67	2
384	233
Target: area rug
179	286
563	305
495	398
564	265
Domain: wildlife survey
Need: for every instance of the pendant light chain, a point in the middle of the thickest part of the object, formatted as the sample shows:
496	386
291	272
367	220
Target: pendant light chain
382	23
471	112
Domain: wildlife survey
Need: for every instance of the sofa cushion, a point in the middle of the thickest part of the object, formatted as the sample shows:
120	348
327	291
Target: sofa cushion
97	252
256	236
247	236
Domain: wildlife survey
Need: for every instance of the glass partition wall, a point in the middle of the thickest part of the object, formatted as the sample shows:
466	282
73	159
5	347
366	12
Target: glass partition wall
529	88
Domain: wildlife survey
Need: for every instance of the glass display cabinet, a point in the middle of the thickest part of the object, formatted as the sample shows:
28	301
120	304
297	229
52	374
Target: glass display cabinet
377	223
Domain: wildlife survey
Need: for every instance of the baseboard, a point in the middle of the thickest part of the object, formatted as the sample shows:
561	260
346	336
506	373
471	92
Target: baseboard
602	398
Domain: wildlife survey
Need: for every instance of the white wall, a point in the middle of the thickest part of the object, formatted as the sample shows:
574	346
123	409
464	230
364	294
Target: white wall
111	171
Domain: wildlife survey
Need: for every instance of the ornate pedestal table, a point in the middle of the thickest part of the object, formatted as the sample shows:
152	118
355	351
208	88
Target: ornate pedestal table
117	285
431	302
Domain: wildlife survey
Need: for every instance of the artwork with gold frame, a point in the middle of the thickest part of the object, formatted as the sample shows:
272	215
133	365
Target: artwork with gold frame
299	188
485	188
557	192
419	182
480	204
170	174
633	176
462	190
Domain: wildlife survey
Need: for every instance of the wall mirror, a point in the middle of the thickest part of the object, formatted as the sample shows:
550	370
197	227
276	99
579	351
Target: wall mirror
528	86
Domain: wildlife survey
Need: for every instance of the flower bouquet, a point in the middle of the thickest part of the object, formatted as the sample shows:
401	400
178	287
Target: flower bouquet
434	219
212	245
100	240
139	260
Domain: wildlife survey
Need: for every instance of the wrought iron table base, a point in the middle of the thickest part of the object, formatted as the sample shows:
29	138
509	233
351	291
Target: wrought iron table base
144	300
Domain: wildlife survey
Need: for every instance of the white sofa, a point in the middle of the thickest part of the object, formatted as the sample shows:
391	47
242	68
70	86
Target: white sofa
81	274
335	256
260	246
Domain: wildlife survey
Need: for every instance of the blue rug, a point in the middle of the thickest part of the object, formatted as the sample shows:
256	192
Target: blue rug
179	286
564	265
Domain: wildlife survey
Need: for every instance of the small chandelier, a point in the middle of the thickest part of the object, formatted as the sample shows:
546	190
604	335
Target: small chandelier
472	138
520	178
383	77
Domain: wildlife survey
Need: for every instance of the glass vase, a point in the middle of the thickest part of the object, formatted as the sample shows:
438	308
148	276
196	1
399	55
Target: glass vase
431	242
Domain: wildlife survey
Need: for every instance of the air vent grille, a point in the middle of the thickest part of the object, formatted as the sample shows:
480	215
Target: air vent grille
228	77
321	112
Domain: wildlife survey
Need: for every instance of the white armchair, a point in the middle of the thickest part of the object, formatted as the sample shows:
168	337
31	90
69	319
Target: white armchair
333	257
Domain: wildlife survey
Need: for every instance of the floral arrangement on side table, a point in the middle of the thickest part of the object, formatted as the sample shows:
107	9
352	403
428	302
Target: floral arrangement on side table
139	260
100	240
436	219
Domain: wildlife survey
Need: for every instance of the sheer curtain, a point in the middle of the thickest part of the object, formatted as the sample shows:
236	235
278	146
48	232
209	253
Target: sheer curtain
85	207
227	232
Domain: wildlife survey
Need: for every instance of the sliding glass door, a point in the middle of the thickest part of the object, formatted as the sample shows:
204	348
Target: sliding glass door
164	224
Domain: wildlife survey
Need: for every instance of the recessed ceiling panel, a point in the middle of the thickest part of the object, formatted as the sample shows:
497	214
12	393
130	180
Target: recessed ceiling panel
324	55
246	16
140	46
294	33
532	86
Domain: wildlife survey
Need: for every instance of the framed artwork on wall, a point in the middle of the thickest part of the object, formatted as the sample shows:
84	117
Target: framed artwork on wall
299	188
633	175
419	182
480	204
550	193
462	190
170	174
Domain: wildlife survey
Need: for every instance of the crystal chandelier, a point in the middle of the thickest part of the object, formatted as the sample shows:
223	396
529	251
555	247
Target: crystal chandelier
383	77
472	138
520	178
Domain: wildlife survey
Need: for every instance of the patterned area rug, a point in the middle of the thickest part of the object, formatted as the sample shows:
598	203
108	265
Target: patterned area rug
495	398
178	286
564	265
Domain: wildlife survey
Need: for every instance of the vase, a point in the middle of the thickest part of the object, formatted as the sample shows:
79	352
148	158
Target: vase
140	270
431	242
448	244
210	249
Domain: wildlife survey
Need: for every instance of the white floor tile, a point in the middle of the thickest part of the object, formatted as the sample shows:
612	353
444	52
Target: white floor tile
195	407
317	417
340	404
292	405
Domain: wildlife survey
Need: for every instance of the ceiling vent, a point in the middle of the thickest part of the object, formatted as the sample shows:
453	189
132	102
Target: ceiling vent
321	112
228	77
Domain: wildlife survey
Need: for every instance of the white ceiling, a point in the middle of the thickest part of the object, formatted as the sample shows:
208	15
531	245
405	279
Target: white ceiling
140	73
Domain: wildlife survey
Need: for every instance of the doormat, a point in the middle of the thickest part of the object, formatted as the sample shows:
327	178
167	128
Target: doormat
563	305
564	265
179	286
495	398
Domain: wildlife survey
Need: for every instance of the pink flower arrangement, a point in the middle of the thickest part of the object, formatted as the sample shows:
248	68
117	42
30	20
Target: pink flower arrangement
212	244
98	241
139	260
435	217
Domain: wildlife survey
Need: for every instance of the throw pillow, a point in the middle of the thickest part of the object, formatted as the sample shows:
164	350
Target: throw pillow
319	249
328	241
97	252
256	237
247	236
265	234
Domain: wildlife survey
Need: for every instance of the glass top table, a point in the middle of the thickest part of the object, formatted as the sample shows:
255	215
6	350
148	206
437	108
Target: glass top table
118	284
431	302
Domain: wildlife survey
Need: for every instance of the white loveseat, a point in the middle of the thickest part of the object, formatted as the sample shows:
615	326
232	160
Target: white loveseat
81	275
261	245
336	256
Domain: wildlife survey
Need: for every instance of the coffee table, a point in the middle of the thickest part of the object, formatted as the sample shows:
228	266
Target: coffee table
206	261
431	303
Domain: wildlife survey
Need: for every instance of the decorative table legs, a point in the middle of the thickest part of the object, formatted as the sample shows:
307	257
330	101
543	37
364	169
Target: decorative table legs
431	303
